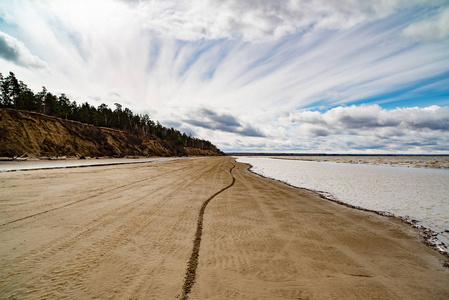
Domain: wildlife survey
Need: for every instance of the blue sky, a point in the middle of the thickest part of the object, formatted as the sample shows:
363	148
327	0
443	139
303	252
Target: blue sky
327	76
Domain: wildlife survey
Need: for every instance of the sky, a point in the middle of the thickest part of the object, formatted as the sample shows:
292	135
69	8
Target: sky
296	76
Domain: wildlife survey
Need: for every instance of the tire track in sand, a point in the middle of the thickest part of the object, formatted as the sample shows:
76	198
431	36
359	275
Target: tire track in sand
83	199
58	278
193	261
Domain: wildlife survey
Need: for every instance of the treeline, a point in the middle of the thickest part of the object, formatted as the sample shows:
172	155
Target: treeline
15	94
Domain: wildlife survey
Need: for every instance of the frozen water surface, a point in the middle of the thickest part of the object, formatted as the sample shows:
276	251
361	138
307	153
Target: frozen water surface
419	193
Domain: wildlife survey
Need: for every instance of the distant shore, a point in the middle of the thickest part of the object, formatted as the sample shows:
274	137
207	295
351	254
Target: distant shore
128	231
423	160
429	161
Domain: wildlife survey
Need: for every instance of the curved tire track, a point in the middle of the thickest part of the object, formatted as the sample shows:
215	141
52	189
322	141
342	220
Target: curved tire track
86	259
193	261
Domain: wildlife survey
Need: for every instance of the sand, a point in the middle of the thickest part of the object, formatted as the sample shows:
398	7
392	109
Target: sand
128	231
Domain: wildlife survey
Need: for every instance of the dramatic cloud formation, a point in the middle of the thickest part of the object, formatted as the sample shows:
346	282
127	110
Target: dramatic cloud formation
352	129
260	20
250	75
380	128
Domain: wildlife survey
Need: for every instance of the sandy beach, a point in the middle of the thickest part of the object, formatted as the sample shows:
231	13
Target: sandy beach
133	231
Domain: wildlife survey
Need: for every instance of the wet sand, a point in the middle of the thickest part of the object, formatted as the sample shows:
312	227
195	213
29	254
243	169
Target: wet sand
128	232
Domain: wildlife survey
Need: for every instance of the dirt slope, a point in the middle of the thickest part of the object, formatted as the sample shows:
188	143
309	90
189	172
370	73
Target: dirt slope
38	135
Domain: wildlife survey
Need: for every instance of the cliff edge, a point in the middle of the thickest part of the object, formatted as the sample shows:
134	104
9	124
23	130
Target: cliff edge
24	133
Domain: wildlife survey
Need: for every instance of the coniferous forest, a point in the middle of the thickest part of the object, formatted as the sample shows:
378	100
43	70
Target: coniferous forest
16	95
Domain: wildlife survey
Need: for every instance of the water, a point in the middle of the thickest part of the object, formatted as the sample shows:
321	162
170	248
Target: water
419	193
49	164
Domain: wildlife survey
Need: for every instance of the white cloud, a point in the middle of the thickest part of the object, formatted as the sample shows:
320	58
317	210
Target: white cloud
433	29
15	51
261	20
344	129
343	118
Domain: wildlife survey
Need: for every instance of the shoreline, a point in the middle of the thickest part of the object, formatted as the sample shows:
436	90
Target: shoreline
126	231
428	235
352	192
